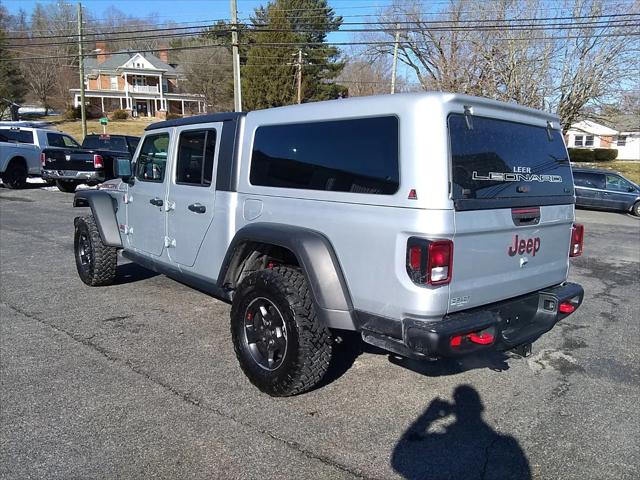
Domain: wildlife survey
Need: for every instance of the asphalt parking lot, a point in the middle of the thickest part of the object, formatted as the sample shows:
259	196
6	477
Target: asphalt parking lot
139	380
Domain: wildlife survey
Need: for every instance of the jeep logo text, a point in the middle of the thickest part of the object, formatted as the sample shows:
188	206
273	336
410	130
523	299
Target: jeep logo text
521	246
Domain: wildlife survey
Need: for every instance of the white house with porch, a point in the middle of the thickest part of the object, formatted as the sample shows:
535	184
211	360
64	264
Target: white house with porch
143	84
588	134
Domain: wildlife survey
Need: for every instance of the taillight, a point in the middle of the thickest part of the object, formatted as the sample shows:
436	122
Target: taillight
43	158
428	262
97	161
577	239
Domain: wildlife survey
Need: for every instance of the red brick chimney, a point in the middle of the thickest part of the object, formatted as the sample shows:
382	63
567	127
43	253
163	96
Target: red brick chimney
163	54
103	54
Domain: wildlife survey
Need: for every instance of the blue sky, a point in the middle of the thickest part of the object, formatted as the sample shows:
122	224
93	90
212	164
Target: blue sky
193	10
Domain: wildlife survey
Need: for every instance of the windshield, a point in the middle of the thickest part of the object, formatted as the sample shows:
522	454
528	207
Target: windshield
515	163
100	142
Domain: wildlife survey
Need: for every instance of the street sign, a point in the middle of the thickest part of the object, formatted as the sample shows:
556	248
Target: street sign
104	121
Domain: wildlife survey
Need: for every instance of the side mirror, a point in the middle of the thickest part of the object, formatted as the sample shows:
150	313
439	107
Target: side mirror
631	189
122	169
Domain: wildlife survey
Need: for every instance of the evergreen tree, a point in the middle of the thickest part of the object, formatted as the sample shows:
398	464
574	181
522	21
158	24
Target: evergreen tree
12	87
269	76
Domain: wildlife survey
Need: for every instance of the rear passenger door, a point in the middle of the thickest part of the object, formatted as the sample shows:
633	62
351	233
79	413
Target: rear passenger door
192	190
588	188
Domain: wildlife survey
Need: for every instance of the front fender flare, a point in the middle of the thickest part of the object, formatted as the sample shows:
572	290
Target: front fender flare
103	207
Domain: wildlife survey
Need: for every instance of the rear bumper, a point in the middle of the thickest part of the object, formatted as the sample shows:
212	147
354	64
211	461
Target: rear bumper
509	323
77	175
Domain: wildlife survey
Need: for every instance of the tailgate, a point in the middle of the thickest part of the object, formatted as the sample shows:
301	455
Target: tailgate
495	259
513	196
68	159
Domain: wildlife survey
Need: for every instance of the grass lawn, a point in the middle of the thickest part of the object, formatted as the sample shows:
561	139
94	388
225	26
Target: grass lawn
74	128
629	169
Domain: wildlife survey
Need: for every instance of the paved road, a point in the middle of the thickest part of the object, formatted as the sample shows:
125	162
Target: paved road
139	380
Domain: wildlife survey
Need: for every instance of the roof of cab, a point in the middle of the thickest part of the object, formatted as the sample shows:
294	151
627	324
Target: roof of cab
196	119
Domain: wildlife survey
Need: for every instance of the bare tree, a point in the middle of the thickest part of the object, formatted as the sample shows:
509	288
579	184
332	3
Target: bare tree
208	72
484	48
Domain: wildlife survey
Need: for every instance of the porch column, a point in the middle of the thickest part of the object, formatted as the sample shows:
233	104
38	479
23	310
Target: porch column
102	104
182	102
161	91
76	101
126	89
120	98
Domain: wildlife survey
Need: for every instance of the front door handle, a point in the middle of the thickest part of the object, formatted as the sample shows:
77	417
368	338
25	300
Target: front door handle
198	208
156	201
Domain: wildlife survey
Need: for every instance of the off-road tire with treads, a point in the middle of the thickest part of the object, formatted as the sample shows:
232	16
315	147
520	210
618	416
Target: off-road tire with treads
66	186
15	176
96	262
309	342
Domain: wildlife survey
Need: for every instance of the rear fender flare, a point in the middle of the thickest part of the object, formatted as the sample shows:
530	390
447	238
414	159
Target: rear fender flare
316	257
103	207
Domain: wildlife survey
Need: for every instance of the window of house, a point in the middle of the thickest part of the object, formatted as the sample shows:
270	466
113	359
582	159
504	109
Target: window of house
578	140
621	140
196	152
358	156
588	141
113	83
152	160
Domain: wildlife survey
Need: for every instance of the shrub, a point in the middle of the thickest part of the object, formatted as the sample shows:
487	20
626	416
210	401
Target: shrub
119	114
605	154
173	116
581	155
72	113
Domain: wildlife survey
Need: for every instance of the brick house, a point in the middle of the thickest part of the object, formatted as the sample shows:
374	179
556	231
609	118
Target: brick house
141	83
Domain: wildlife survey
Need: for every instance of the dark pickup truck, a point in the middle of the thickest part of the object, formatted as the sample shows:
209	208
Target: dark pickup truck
92	163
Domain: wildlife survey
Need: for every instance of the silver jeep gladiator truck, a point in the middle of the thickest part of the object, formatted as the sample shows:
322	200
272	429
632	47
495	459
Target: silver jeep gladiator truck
433	224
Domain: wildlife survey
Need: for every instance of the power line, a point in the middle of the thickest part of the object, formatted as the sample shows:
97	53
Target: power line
436	23
621	23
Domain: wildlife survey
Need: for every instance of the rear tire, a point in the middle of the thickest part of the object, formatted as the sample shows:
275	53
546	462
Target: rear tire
66	186
15	176
96	262
636	209
282	347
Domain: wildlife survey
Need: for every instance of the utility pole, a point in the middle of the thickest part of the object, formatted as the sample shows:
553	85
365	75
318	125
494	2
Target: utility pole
299	76
395	62
83	111
237	87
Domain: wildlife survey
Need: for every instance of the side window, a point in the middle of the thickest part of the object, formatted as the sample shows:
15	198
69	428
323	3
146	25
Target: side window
19	136
69	142
580	179
152	160
55	140
577	140
196	152
357	156
595	180
617	183
588	141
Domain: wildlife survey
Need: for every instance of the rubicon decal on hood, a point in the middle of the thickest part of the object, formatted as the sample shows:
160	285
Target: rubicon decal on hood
519	174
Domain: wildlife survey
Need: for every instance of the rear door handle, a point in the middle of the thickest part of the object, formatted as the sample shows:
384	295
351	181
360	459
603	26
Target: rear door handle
197	208
156	201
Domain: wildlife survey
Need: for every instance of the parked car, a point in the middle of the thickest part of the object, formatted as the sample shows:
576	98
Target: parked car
434	225
91	163
606	189
20	151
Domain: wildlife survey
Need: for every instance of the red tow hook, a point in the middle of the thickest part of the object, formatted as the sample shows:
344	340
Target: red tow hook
566	307
483	337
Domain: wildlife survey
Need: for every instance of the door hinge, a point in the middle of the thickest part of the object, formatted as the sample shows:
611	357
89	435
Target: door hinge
170	206
169	242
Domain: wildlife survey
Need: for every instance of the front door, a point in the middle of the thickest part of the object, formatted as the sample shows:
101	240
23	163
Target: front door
142	109
147	196
619	194
192	190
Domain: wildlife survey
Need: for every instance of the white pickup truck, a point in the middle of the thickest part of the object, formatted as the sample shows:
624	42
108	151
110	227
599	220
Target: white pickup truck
20	149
